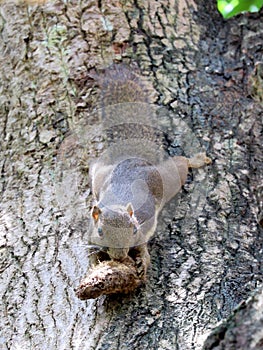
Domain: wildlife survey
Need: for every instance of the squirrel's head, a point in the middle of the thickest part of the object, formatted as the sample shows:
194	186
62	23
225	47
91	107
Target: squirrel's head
116	228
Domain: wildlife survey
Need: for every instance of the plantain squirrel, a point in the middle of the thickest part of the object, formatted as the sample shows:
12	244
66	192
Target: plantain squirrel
134	177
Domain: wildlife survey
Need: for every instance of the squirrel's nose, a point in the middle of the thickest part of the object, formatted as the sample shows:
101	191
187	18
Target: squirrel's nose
118	253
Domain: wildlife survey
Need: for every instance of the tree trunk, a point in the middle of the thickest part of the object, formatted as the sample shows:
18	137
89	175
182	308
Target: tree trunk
243	328
206	256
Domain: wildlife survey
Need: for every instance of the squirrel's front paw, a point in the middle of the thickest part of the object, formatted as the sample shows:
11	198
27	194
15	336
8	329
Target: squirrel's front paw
142	261
199	160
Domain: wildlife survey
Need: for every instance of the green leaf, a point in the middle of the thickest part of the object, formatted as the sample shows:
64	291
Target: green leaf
230	8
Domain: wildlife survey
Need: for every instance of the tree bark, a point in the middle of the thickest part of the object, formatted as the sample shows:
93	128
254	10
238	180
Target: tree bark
242	329
206	256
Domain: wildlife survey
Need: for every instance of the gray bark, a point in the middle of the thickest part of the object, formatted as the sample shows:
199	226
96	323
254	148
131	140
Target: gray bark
242	329
206	256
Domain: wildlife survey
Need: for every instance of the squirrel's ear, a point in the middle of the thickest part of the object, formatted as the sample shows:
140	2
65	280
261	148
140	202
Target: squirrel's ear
129	209
95	213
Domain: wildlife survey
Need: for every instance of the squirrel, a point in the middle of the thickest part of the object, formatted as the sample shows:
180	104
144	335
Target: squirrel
134	178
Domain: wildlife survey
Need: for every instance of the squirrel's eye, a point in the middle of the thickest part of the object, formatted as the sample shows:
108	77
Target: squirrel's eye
100	232
135	230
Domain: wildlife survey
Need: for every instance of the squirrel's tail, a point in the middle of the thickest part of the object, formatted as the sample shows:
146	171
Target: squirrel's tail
128	117
119	84
124	98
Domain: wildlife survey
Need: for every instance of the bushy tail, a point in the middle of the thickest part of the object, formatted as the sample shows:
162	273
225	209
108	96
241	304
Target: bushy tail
119	84
128	119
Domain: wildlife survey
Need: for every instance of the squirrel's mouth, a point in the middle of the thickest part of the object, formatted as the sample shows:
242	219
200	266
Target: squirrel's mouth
118	253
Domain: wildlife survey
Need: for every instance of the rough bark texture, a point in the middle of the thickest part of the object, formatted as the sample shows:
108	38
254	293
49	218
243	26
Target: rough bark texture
242	330
206	256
